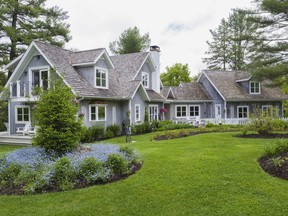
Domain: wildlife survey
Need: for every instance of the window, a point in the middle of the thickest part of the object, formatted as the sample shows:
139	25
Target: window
40	79
153	112
22	114
267	110
97	113
101	78
145	79
194	110
137	113
243	111
254	87
181	111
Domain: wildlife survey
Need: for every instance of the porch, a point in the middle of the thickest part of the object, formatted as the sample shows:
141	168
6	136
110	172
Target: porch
7	139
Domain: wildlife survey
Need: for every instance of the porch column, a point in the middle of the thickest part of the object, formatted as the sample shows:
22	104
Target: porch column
18	88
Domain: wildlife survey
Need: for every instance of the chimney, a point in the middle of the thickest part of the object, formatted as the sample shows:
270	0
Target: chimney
155	54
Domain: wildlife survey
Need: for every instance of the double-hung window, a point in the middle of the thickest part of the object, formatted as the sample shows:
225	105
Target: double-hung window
145	79
101	78
22	114
254	87
137	113
243	111
181	111
194	110
97	112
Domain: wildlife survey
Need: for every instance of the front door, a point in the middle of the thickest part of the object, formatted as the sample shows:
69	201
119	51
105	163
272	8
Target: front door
217	111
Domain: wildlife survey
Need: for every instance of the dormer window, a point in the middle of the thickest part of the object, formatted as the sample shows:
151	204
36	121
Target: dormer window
145	79
254	87
101	78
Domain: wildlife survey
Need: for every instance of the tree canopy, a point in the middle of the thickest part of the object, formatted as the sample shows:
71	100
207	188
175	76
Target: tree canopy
233	42
130	41
271	61
22	21
176	74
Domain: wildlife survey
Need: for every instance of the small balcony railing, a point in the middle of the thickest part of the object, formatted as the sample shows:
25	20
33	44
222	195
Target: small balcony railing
23	89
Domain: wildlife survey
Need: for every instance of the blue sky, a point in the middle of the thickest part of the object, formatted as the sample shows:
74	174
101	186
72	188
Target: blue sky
180	28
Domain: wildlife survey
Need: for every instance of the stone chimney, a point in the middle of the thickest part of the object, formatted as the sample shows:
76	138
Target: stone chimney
155	54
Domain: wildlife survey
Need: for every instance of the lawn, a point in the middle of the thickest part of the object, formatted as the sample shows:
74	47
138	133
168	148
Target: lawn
206	174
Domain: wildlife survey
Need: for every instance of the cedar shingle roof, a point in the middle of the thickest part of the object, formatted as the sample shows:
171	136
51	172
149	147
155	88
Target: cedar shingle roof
191	91
227	83
121	83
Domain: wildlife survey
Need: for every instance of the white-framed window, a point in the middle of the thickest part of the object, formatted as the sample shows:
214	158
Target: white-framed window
181	111
243	111
153	112
267	110
137	113
39	76
97	112
22	114
218	111
254	87
194	110
101	78
145	79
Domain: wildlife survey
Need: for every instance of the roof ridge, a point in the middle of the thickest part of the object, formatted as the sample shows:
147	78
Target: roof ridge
89	50
48	44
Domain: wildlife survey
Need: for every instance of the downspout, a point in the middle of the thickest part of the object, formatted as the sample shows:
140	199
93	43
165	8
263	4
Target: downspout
225	109
9	119
130	109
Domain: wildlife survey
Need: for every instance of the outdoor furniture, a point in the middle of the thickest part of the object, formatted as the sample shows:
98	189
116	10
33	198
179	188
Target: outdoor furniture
23	130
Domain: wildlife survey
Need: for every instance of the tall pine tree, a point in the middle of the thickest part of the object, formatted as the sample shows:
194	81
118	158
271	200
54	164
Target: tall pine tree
233	42
22	21
271	61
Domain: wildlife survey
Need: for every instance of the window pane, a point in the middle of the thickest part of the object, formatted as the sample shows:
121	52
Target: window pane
101	113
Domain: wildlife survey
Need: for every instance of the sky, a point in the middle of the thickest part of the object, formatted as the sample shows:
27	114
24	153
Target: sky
180	28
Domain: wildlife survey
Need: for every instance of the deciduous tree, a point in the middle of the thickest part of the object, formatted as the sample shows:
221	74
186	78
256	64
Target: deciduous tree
176	74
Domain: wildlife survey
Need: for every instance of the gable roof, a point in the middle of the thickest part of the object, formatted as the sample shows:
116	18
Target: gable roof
187	92
122	70
227	83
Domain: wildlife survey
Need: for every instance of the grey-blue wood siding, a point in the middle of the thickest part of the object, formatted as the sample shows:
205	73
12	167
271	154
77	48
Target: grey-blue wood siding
84	108
147	69
138	100
217	99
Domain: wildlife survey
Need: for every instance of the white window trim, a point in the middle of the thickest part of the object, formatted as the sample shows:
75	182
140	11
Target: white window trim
107	79
242	107
16	119
181	111
139	117
199	108
97	106
216	114
145	74
250	87
157	117
40	68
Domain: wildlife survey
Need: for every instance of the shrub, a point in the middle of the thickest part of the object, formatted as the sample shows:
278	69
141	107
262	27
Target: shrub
89	168
64	174
11	173
115	129
164	123
277	162
275	149
141	128
58	126
117	164
92	134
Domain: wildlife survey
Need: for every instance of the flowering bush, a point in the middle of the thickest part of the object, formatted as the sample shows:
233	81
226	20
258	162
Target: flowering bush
163	110
32	170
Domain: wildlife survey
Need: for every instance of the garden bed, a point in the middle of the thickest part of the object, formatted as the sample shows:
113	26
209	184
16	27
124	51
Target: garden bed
32	170
262	136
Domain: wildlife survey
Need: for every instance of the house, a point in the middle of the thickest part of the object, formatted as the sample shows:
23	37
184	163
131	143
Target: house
235	94
116	89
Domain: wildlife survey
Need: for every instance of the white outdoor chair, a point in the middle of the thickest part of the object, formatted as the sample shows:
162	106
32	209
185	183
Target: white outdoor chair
32	131
23	130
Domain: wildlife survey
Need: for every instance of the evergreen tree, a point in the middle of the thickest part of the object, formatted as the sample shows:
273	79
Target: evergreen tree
22	21
130	41
58	126
3	104
176	74
271	61
233	42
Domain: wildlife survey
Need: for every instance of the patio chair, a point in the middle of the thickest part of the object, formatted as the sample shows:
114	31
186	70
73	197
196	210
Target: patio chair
23	130
31	131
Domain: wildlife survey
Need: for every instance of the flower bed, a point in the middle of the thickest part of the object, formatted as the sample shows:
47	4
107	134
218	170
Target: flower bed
31	170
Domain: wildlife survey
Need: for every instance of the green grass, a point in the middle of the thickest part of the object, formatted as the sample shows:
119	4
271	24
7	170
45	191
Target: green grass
207	174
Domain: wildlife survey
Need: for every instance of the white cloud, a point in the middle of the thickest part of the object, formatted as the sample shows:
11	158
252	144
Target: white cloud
180	28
